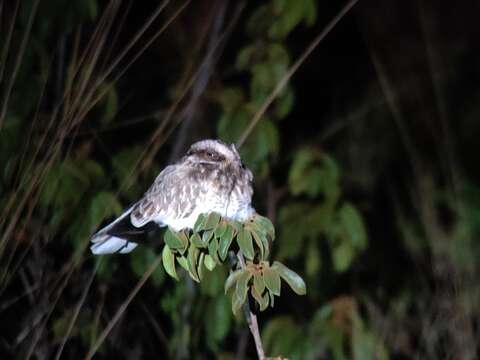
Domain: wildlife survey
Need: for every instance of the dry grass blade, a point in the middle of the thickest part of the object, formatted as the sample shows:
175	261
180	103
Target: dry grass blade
18	182
63	128
137	37
33	184
391	99
39	332
18	61
293	69
86	72
116	36
434	59
77	312
8	39
89	102
123	307
156	140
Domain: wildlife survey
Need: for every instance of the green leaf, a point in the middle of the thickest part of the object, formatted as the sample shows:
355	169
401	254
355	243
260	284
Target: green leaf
192	257
105	204
236	304
313	173
271	278
183	237
263	142
244	240
232	279
212	221
313	259
172	240
196	240
265	224
261	300
266	300
200	266
209	262
244	57
213	282
206	236
60	327
284	335
212	249
292	278
140	261
182	260
259	234
278	53
110	106
231	126
365	344
290	15
231	98
259	21
225	242
221	229
123	162
241	288
218	319
284	104
310	13
237	226
260	240
106	267
93	170
353	226
199	223
258	283
271	296
168	259
343	255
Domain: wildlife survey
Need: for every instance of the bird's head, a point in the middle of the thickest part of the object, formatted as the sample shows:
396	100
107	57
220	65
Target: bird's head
213	152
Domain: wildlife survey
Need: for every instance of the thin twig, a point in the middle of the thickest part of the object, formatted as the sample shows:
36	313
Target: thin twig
123	307
76	312
293	69
213	52
156	327
18	61
7	39
156	140
252	319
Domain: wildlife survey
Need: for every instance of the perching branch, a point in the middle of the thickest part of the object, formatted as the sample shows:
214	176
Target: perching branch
252	319
208	245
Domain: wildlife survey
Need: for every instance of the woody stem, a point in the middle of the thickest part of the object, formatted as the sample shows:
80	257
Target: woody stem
252	319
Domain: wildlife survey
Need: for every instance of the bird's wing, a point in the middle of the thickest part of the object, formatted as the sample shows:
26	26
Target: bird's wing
173	195
105	240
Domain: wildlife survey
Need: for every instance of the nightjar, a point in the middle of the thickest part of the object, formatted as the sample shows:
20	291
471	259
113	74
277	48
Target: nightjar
209	178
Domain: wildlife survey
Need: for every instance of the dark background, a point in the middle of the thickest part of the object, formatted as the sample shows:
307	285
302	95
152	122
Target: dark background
384	110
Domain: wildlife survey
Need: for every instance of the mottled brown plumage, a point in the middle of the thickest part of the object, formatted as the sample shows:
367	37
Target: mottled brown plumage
209	178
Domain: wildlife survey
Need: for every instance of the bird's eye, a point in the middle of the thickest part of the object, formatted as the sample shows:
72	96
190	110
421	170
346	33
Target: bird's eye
210	154
189	152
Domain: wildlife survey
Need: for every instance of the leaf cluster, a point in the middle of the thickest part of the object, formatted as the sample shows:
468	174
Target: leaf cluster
315	175
208	245
265	60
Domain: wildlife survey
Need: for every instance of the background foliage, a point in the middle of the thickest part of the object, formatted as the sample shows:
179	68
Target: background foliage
365	162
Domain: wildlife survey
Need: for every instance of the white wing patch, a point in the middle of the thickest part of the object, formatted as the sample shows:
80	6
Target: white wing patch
107	244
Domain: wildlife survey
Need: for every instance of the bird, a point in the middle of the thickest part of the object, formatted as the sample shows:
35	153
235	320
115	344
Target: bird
210	177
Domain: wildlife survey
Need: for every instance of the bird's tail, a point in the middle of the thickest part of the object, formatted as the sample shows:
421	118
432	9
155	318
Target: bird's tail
109	239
